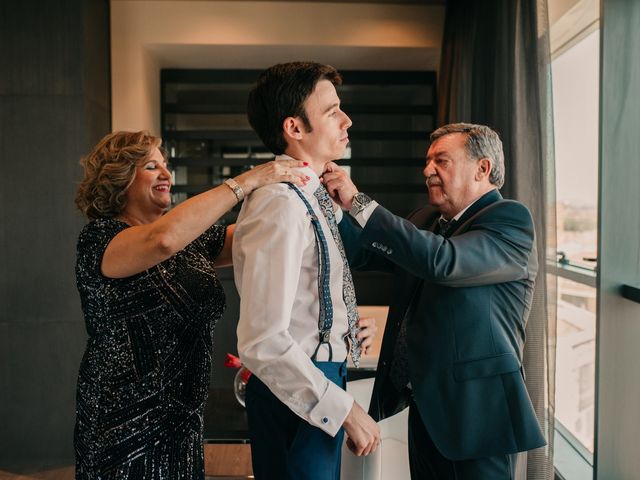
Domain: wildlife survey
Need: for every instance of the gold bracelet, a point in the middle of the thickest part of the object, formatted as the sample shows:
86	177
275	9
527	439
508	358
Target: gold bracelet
235	188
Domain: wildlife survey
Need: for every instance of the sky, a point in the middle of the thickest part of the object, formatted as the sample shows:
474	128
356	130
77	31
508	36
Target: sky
575	103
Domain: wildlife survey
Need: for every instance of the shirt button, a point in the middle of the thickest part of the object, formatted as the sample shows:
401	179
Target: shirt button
325	420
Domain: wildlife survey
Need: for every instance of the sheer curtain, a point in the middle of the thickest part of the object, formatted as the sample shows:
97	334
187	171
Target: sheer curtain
496	70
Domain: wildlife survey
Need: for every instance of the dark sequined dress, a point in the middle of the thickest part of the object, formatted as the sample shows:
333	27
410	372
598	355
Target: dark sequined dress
144	377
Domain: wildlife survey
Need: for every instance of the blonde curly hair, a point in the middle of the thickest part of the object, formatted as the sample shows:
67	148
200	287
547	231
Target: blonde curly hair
109	170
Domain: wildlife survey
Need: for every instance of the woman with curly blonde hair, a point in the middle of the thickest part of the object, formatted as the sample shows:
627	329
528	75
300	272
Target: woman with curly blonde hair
150	298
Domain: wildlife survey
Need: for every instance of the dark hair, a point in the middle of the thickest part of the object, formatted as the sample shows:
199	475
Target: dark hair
109	170
279	93
482	142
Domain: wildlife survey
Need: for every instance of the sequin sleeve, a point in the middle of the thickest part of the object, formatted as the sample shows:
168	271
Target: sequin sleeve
92	242
212	241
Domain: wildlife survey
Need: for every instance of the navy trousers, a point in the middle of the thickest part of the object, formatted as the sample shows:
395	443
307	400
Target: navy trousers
283	445
427	463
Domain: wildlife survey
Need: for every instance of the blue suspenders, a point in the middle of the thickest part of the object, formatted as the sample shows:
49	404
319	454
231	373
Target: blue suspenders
325	320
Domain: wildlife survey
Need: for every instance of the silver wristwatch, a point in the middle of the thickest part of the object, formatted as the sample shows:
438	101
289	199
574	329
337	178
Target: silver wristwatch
359	203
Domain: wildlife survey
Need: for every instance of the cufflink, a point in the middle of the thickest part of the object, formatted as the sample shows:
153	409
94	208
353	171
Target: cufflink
325	420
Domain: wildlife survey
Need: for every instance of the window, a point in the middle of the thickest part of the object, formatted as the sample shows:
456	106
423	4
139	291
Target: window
575	105
575	360
575	72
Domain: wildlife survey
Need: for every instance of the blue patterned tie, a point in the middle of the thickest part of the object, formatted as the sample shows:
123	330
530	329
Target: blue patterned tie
348	292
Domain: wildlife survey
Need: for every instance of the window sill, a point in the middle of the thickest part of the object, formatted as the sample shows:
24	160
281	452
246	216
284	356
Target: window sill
569	463
577	274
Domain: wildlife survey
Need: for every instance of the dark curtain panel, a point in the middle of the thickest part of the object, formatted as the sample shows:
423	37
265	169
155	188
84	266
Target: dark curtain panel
495	70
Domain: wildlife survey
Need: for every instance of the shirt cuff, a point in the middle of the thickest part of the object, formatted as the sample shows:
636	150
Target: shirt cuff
362	217
331	411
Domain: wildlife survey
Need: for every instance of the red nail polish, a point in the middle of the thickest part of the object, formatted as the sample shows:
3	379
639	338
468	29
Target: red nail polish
306	164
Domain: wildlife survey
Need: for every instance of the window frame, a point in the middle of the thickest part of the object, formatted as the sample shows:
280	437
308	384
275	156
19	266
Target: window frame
572	460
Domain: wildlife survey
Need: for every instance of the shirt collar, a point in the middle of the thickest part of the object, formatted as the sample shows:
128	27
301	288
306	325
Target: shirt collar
312	184
461	212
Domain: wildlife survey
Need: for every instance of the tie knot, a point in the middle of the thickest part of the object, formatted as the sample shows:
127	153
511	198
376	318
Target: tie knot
445	225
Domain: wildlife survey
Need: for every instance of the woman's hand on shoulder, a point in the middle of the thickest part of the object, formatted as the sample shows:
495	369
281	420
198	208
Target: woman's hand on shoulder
273	172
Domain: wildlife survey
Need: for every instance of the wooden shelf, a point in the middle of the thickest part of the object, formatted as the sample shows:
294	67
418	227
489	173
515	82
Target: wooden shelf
221	135
203	108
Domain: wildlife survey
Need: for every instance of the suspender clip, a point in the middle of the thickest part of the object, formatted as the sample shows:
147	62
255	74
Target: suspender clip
325	336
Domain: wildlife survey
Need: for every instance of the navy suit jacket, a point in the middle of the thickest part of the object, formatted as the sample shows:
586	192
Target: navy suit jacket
466	300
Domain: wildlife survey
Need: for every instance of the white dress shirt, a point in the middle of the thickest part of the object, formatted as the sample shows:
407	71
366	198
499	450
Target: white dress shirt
275	260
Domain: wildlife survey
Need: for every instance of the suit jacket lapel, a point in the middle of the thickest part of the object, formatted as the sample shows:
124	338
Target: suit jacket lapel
480	204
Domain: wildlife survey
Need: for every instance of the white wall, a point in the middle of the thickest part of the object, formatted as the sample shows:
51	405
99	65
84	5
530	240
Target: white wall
618	388
149	35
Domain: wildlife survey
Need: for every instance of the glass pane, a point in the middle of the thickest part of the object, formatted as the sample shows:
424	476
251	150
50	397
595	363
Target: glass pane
575	359
575	104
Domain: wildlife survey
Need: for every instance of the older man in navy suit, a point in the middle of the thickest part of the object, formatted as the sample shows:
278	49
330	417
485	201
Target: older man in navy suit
465	269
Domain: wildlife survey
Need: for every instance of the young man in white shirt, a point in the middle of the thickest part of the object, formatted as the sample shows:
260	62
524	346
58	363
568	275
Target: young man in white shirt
297	314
